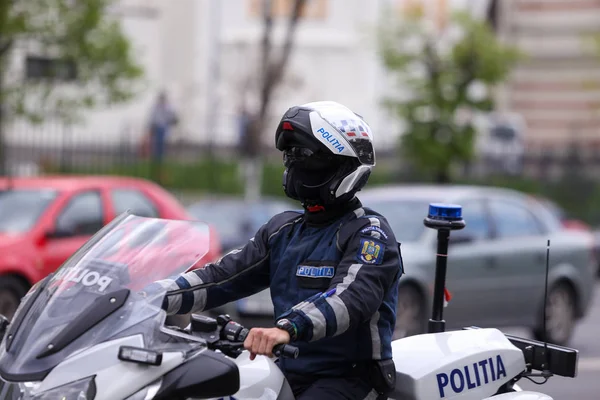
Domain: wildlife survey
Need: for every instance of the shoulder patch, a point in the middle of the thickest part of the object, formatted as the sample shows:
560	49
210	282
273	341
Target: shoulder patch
370	251
374	231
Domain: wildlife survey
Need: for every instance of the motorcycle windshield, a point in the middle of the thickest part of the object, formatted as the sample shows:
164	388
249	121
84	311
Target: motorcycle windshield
103	292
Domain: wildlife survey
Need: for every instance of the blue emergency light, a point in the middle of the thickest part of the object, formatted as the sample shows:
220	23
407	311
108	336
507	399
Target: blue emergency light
445	212
443	218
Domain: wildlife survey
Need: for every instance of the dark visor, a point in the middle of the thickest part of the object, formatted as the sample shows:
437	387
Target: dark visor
309	159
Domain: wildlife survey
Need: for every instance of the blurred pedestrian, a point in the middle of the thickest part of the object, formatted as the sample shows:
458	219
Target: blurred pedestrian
244	119
162	118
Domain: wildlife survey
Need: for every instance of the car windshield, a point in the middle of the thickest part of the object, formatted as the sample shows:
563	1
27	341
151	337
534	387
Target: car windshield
21	208
102	292
405	216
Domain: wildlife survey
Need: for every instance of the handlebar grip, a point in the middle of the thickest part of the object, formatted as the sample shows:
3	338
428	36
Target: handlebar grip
286	351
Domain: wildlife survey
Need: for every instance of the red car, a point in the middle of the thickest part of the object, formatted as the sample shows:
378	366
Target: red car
43	220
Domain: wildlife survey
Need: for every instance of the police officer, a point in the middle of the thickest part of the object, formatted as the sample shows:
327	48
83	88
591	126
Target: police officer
333	270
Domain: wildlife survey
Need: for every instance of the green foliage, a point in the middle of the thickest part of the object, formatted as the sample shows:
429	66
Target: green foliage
76	33
438	77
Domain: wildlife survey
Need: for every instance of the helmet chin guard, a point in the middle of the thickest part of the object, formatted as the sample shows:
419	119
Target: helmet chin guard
339	187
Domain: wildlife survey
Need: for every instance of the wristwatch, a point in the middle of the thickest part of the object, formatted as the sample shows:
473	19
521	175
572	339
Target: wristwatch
289	327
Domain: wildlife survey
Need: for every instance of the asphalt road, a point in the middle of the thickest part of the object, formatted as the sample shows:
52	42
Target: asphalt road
586	386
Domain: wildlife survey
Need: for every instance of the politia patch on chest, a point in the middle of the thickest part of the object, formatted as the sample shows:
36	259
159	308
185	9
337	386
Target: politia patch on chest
311	271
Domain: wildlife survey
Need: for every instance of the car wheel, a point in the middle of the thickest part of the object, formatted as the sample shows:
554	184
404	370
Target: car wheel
560	316
410	312
12	290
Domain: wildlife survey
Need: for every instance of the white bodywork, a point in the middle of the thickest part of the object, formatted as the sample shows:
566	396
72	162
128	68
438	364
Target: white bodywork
115	379
465	365
429	366
259	378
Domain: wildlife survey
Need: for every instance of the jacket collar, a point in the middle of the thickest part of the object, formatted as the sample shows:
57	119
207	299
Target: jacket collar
320	215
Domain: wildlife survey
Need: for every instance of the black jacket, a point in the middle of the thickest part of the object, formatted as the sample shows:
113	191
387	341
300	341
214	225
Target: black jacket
334	274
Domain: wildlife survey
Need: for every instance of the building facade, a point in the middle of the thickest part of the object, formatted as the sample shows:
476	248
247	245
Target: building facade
557	87
335	58
206	55
165	44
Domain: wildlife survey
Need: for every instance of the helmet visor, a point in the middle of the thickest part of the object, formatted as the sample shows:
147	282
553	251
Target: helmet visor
308	160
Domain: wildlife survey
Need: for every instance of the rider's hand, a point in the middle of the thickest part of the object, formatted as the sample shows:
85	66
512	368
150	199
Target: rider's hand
260	341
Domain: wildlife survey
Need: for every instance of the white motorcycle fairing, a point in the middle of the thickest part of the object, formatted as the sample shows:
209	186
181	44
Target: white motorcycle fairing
114	379
436	354
259	379
465	365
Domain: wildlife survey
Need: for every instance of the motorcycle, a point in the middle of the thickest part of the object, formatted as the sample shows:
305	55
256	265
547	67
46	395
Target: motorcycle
90	331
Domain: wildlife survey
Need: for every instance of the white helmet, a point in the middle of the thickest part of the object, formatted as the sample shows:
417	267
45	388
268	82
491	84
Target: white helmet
327	150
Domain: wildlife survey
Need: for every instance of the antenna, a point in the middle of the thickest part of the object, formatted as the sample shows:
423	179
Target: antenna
546	372
529	350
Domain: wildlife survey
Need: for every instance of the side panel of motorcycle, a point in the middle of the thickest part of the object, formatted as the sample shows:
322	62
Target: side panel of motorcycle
114	379
462	365
259	378
206	375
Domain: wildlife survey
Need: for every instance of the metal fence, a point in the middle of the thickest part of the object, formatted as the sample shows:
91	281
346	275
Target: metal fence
55	149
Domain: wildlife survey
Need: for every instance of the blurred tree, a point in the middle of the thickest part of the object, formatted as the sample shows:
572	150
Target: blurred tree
446	80
76	57
272	71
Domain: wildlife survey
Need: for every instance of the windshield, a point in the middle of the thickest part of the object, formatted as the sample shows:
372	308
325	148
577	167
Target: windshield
21	208
95	295
404	216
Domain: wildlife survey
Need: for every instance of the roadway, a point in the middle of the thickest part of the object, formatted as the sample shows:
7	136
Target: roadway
586	386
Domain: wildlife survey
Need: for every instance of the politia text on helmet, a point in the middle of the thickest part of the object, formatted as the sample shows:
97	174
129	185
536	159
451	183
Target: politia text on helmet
331	139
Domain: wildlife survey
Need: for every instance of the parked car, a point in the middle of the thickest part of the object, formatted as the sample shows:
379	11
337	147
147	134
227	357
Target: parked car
566	221
235	219
44	220
496	267
575	224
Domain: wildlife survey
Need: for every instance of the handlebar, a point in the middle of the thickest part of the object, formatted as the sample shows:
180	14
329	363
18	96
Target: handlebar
228	336
279	350
286	351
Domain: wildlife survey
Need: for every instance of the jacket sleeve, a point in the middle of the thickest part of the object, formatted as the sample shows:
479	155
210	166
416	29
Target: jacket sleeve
370	265
240	273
